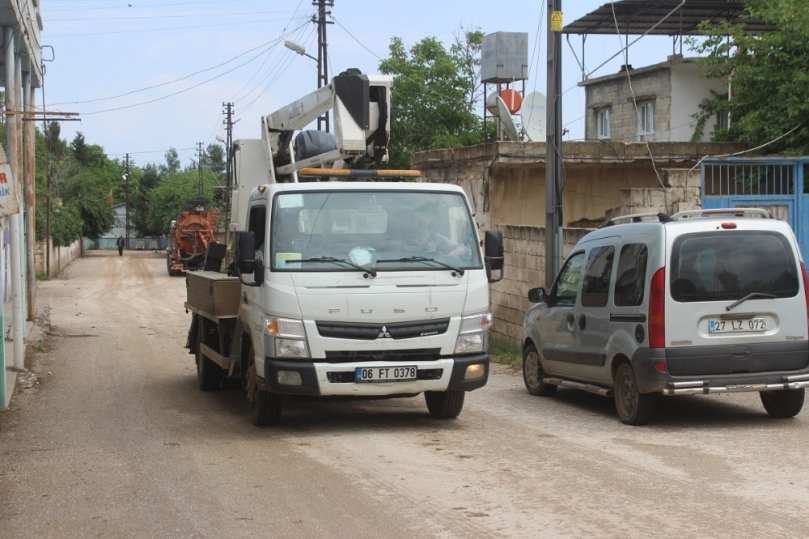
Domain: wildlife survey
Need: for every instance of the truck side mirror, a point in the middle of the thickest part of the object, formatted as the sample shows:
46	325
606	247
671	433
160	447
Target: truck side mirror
246	252
493	250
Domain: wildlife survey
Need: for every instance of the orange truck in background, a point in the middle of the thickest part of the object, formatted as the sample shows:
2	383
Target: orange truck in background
189	237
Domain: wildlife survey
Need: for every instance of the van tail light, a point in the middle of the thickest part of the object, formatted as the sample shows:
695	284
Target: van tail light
805	289
657	310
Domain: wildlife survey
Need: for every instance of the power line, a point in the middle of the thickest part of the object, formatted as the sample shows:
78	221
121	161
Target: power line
191	27
180	91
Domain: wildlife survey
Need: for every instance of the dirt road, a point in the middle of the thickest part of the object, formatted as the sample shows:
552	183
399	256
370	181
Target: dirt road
115	440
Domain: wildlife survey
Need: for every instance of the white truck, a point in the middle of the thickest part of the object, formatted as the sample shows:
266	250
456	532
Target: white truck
369	289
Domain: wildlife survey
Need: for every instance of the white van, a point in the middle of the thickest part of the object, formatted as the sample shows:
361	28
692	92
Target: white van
705	301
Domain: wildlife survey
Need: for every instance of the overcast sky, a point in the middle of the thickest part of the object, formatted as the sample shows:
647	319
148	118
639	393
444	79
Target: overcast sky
147	75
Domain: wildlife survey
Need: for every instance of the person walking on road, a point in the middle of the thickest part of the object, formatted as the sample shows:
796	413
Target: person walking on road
120	243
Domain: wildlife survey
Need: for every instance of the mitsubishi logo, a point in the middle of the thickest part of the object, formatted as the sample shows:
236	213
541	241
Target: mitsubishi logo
383	333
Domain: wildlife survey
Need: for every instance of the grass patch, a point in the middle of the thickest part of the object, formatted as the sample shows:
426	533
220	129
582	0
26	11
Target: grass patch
504	351
43	277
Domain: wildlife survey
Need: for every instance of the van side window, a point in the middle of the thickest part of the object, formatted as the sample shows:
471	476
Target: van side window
597	275
566	288
629	286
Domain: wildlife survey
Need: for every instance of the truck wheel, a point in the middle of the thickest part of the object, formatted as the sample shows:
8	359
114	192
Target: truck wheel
783	402
634	408
533	374
209	375
445	404
264	407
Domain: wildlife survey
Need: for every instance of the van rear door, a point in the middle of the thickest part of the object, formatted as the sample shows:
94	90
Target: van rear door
735	302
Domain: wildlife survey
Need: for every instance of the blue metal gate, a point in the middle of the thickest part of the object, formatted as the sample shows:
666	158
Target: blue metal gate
775	184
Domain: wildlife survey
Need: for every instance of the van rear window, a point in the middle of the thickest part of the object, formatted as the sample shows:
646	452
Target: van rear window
728	265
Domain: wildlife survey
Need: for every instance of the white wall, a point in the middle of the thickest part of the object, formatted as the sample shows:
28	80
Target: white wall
688	90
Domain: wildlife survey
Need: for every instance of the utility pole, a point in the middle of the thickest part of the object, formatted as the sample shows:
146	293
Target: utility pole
554	182
322	53
228	167
199	166
228	143
126	218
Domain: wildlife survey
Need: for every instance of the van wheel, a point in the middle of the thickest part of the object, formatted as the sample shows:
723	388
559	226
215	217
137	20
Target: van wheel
209	375
533	374
264	407
783	402
634	408
445	404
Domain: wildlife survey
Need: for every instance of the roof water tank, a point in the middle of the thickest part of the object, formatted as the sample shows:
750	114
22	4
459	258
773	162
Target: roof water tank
504	57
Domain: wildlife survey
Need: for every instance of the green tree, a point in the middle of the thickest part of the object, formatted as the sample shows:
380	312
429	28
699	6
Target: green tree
770	83
214	159
171	196
148	179
89	191
433	102
172	165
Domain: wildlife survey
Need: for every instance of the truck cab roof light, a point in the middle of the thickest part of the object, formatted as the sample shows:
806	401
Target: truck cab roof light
360	173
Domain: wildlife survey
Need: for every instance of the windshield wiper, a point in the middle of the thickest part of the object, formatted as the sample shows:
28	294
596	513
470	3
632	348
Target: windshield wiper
749	296
333	260
459	271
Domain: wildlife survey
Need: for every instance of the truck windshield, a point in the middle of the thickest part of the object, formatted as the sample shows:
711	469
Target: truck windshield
364	227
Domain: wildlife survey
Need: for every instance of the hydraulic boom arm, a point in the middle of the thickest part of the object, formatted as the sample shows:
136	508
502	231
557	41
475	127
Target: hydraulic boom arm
361	108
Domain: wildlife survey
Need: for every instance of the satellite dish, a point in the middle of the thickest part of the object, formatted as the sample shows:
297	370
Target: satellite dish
506	121
533	116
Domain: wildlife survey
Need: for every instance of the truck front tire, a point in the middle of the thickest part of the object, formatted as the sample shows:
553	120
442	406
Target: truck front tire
445	404
264	407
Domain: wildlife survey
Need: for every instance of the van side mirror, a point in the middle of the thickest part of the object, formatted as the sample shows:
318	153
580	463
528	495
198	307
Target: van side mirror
493	251
537	295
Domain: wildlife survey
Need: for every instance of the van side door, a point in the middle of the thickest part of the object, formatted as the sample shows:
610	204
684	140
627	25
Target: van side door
592	314
556	318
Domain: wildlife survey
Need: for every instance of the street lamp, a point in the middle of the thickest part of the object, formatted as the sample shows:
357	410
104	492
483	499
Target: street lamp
321	74
298	49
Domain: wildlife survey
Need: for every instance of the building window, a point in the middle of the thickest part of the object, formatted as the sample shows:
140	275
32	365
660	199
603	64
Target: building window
646	119
603	123
722	120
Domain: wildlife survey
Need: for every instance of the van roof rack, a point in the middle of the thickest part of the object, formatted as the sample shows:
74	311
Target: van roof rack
637	218
723	212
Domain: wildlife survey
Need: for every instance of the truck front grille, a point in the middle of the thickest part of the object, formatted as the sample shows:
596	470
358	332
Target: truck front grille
370	332
429	354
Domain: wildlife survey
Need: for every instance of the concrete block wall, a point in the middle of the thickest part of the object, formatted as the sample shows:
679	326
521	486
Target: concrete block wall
615	93
524	248
682	192
61	257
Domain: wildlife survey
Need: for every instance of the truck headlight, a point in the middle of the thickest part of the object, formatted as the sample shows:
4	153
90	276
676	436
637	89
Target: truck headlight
288	336
473	334
291	348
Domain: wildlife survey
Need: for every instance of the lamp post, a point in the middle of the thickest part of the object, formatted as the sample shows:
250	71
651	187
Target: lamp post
298	49
321	75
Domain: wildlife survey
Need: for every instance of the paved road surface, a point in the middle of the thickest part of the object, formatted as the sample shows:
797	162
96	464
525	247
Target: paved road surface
115	440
